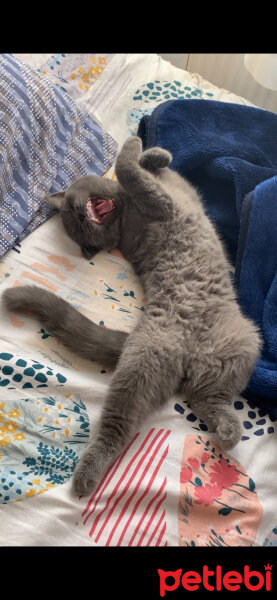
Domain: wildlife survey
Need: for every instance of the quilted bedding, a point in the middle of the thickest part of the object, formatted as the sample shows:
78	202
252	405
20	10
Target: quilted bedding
172	485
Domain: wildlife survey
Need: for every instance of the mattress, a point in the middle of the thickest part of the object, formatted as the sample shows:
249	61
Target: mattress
172	485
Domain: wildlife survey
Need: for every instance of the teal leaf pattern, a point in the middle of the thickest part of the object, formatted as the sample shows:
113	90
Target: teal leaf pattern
18	373
155	92
198	481
251	485
225	511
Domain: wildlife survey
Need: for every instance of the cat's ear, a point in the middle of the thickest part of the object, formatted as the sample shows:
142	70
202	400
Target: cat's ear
55	200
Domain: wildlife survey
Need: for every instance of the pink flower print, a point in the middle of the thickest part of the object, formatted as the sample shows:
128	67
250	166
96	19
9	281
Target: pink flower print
193	463
224	475
210	511
185	475
207	493
205	457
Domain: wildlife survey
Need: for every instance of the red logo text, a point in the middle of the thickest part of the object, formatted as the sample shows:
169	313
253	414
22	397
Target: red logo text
215	580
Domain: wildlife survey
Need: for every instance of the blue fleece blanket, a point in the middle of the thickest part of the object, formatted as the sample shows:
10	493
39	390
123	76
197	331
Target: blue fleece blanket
229	152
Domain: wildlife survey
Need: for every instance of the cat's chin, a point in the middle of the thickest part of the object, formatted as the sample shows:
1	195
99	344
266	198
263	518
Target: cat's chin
99	209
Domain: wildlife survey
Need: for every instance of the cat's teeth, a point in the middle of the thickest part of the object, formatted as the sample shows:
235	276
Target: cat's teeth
98	209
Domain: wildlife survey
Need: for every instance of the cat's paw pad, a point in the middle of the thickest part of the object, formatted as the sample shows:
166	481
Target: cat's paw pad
83	484
83	480
87	473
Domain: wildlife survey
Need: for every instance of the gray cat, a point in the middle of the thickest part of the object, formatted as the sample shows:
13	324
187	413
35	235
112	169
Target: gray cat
192	338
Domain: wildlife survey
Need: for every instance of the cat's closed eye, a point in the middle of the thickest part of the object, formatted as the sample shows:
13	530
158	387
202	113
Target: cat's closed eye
76	204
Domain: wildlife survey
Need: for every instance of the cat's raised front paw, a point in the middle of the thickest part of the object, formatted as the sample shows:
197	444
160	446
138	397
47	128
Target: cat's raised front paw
155	158
132	147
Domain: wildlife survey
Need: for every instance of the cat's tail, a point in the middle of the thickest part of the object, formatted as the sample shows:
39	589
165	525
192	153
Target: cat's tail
67	324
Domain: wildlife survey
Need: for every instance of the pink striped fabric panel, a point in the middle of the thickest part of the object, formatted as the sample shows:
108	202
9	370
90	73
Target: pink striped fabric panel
127	508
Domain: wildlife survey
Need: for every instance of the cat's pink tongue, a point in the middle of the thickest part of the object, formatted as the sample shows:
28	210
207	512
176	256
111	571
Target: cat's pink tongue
98	209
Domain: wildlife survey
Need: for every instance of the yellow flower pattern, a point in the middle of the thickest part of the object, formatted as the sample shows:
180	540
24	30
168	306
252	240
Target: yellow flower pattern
86	78
19	437
5	440
8	427
14	414
49	434
76	73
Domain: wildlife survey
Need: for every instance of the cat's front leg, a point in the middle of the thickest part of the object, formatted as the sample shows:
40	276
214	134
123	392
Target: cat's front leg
140	184
115	433
146	376
129	153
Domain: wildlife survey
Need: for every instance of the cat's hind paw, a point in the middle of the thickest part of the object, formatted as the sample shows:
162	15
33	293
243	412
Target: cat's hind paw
228	432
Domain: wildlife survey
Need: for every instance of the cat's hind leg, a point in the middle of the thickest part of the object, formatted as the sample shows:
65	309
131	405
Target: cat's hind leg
222	372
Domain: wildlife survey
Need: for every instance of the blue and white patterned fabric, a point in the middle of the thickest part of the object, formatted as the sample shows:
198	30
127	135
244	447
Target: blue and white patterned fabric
46	142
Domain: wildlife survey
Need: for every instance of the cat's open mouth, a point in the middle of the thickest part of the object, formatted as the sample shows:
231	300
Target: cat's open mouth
98	209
